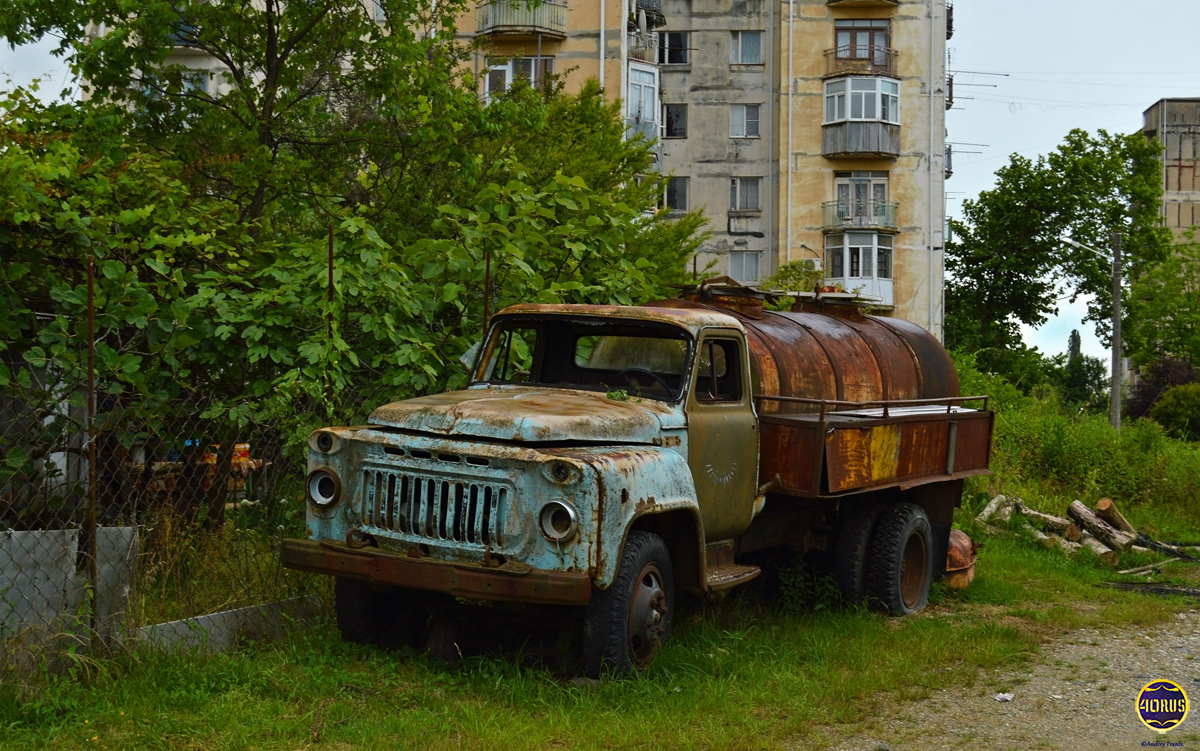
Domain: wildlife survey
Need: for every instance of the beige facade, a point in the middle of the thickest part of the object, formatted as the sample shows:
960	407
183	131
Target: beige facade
1176	123
849	149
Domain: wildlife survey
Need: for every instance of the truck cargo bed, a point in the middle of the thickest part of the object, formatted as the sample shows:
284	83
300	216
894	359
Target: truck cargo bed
840	448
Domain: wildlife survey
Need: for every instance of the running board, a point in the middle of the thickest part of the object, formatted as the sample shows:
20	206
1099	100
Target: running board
731	575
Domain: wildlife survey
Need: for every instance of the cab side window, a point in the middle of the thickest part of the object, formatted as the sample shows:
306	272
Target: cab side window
719	371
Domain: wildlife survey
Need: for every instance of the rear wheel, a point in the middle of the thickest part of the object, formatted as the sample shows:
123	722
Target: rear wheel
388	618
853	552
625	625
901	560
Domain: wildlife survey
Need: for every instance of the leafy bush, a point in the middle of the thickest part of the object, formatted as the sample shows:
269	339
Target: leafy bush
1178	411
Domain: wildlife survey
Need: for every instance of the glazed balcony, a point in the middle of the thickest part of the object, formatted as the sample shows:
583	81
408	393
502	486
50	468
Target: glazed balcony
864	3
851	214
861	60
518	18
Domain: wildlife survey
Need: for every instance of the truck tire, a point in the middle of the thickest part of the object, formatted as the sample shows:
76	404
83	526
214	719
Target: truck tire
901	560
625	625
853	551
386	618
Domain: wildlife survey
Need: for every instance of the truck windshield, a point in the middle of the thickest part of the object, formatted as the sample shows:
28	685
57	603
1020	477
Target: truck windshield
641	358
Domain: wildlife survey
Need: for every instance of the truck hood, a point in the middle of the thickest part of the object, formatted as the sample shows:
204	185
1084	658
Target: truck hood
528	415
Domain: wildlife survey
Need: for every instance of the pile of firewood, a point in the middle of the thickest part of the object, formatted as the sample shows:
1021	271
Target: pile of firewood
1105	531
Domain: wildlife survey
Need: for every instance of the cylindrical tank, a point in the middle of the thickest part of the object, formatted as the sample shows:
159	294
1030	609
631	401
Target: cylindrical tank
839	353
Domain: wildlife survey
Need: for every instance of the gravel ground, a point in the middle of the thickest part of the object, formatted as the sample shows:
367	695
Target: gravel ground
1080	694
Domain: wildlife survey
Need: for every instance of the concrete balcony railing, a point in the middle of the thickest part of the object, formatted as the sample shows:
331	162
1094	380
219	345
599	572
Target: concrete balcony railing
865	60
518	18
851	214
644	47
865	3
861	138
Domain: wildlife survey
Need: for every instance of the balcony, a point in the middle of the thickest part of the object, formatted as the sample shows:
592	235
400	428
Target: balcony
851	214
865	60
517	18
949	20
949	161
865	3
654	12
866	138
644	47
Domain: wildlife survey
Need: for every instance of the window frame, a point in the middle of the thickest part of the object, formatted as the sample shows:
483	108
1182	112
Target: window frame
665	51
675	182
541	66
850	263
737	47
738	189
667	121
739	274
847	39
845	94
744	121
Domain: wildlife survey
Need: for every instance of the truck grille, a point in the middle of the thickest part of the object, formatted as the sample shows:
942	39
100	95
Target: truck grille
435	508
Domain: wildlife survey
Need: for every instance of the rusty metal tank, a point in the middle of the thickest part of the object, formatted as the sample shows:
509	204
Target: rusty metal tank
838	353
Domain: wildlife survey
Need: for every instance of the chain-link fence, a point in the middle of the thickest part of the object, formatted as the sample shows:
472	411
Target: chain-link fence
121	509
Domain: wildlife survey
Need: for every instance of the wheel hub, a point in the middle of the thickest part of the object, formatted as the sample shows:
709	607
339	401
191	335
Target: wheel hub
647	614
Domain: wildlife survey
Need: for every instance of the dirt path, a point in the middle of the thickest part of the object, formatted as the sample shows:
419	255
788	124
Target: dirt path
1079	694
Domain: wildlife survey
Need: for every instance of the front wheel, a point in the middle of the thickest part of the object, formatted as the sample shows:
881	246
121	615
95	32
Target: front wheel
625	625
901	560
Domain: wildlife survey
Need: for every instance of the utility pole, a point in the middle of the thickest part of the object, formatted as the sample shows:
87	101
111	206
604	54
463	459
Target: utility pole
1114	405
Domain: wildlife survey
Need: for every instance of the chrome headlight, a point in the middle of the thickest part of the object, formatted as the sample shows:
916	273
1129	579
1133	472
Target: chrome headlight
324	488
558	521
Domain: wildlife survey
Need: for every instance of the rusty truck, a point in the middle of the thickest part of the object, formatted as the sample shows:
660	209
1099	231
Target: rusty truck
606	457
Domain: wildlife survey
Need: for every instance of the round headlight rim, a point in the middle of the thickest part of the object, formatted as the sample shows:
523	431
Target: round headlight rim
313	481
328	436
546	516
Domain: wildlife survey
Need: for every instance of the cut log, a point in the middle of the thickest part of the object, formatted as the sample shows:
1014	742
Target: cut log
1108	511
993	506
1108	556
1052	541
1057	524
1100	529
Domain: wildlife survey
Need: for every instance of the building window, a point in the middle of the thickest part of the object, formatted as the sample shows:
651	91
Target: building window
502	73
642	102
743	265
744	120
862	39
745	47
861	197
380	14
858	255
862	99
744	194
675	121
673	48
676	197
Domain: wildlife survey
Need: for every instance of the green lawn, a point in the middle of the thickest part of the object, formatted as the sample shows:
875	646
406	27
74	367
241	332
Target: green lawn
745	674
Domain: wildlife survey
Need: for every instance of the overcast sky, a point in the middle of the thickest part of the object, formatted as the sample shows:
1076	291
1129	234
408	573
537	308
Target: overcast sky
1028	71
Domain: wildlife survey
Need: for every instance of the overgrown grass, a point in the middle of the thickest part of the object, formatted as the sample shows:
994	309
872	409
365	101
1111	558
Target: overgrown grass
747	674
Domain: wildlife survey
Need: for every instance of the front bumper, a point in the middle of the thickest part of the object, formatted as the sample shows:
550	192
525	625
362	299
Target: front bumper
510	582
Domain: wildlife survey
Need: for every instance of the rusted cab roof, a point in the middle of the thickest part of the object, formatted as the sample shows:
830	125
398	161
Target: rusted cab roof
692	319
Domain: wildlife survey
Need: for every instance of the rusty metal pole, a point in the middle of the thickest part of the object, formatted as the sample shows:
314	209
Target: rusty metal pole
487	288
93	568
1114	405
329	331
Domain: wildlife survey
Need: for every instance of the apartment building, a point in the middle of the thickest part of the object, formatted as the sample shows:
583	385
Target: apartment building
1176	123
813	130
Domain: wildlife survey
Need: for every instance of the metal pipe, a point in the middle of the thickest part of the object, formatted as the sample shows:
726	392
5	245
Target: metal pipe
788	150
603	41
932	103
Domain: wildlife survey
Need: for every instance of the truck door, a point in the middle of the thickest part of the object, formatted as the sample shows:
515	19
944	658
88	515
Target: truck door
723	434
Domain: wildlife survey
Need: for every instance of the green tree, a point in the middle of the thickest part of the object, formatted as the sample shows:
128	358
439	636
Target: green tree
1165	309
1081	379
1007	264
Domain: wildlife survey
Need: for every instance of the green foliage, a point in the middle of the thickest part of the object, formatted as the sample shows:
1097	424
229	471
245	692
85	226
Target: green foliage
1164	309
796	276
1178	411
804	588
1081	380
1007	264
1049	456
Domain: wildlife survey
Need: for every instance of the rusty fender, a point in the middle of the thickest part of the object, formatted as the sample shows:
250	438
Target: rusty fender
632	482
